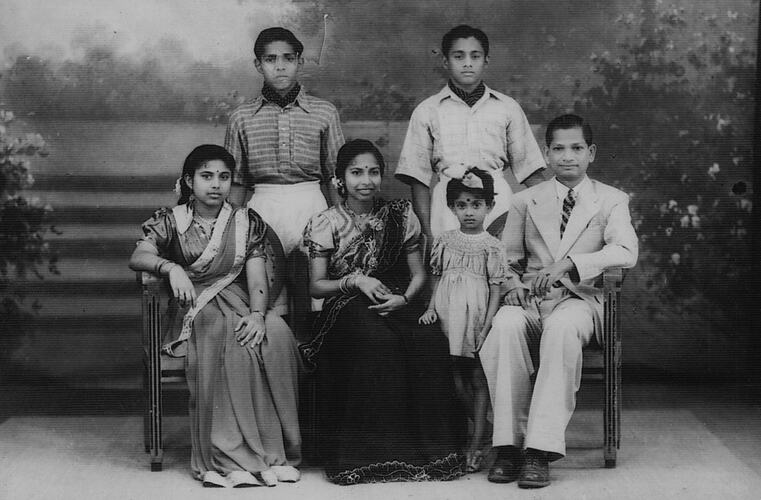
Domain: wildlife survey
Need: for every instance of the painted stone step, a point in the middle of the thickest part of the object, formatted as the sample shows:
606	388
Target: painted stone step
86	305
89	270
104	199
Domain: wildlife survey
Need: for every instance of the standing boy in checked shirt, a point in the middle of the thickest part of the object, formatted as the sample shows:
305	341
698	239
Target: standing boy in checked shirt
466	125
284	142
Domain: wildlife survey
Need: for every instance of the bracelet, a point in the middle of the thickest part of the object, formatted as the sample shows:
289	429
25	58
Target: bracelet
342	285
258	312
406	300
346	287
164	262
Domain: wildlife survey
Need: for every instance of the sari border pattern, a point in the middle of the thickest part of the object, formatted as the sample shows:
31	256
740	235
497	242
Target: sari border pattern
447	468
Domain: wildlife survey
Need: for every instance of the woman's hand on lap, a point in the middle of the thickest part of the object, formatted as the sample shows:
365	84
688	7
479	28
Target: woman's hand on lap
373	289
390	303
182	288
251	328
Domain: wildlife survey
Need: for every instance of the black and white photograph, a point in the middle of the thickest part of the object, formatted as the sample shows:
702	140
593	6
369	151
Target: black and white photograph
380	249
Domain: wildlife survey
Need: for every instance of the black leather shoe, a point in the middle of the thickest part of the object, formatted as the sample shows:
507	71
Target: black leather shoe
507	466
536	470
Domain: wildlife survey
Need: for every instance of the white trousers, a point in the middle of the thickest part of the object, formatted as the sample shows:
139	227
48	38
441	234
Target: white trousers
287	209
560	325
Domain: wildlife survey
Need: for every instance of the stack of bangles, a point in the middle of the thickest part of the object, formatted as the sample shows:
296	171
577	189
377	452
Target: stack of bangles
348	283
163	262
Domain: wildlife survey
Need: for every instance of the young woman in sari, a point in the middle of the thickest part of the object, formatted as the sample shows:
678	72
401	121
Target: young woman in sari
386	395
241	360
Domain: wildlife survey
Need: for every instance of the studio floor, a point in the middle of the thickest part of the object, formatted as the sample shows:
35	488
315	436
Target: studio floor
679	441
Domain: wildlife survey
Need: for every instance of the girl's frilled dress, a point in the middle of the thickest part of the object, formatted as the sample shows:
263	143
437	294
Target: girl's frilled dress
243	400
467	264
386	395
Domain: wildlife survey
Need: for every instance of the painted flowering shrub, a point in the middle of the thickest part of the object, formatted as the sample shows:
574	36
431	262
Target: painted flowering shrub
23	250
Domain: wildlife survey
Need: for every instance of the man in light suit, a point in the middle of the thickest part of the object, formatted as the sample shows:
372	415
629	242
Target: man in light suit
559	236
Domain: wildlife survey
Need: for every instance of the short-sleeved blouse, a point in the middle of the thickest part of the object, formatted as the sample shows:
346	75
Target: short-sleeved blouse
161	232
333	230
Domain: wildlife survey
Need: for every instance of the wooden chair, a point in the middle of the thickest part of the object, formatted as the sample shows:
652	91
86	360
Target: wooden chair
605	361
601	361
161	369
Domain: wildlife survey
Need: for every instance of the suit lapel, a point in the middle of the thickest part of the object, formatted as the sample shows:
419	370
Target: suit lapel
582	213
546	216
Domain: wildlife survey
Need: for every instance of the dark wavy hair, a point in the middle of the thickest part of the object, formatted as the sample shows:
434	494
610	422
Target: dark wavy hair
463	31
455	187
276	34
351	150
197	158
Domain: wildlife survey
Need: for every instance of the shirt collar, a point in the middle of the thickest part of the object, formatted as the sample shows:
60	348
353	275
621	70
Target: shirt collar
446	92
302	100
581	188
470	98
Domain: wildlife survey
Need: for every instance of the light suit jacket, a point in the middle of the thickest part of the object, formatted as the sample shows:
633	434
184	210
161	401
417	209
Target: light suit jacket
599	235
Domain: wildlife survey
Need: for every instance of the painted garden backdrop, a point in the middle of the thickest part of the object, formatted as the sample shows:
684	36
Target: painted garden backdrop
100	106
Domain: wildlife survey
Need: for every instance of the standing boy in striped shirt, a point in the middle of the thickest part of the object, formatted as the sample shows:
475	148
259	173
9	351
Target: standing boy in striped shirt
284	142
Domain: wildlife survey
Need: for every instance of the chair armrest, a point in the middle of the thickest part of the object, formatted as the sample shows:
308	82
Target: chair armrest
612	279
146	278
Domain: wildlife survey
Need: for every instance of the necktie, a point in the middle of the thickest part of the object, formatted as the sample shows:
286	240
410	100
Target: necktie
568	203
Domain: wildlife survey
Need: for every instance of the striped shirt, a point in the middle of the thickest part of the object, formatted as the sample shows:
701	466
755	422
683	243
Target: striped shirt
445	132
274	145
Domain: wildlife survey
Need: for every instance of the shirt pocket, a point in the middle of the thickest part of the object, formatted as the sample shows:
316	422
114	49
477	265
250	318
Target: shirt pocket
306	147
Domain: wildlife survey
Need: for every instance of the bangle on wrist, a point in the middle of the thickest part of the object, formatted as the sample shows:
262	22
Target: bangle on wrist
406	300
258	312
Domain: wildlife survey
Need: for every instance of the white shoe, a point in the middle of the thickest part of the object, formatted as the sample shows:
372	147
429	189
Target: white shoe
243	479
269	477
213	479
286	473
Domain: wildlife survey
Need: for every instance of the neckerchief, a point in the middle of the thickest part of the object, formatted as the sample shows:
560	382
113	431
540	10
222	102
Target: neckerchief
272	95
469	98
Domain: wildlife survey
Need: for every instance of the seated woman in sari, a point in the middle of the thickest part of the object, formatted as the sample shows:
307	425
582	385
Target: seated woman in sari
386	394
241	359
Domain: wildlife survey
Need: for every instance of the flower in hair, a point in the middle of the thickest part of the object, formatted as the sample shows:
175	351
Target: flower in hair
178	186
471	180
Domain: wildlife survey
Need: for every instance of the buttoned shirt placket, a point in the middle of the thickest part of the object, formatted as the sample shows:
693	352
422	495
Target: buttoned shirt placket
285	138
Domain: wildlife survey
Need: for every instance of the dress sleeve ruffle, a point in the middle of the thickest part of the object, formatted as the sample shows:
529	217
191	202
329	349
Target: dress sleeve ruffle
257	230
436	261
413	231
318	236
496	266
159	230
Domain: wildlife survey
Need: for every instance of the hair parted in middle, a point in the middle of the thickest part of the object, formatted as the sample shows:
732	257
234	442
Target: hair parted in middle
455	187
197	158
351	150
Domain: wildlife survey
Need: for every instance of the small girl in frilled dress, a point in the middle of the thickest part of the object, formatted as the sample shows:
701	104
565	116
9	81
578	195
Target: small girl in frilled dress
468	267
